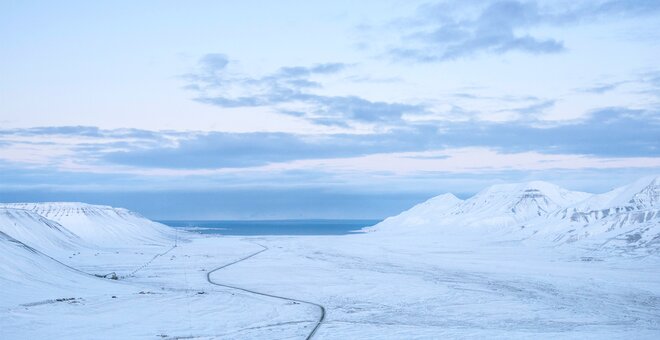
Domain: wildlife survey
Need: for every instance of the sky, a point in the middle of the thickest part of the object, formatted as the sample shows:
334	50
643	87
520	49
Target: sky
321	109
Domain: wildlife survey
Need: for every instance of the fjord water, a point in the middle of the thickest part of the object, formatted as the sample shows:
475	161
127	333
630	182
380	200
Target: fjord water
272	227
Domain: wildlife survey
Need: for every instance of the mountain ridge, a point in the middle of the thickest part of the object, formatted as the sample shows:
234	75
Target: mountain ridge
626	219
100	225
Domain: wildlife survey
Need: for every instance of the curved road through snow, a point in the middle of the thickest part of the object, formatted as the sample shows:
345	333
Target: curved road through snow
320	307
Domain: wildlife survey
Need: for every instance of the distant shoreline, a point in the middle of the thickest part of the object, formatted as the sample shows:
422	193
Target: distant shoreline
273	227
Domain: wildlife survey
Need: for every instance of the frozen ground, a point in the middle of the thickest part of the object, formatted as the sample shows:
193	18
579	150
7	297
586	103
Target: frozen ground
371	287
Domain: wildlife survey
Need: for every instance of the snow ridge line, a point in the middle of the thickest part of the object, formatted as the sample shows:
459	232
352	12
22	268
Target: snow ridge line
264	248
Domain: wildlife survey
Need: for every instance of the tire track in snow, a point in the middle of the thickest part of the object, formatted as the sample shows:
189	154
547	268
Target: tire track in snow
264	248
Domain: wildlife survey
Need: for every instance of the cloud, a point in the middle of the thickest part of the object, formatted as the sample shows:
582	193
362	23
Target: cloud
602	88
222	150
605	133
214	62
299	71
289	90
466	160
79	131
335	110
444	34
457	29
535	109
622	8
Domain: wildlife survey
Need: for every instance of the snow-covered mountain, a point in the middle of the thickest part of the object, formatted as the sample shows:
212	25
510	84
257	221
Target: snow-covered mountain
425	213
626	219
39	232
505	205
641	194
101	225
37	241
495	208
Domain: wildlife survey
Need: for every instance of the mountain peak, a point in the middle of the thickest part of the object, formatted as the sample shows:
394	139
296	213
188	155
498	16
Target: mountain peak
513	193
538	186
445	198
649	195
641	194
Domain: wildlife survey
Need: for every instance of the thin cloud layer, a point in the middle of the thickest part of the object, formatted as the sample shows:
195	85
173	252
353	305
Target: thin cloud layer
290	90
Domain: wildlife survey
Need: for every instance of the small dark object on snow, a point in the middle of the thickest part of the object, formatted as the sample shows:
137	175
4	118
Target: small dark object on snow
200	293
111	276
114	296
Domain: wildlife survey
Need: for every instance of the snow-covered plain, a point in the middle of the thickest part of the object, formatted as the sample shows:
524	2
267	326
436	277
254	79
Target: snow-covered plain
528	260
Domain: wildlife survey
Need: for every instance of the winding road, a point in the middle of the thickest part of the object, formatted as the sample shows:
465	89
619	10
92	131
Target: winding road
264	248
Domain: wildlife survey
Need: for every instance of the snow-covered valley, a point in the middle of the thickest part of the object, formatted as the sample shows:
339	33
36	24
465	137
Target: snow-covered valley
528	260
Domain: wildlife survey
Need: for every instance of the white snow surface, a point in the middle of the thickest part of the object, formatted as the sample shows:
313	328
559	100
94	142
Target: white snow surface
427	212
412	277
642	194
625	220
24	271
39	232
101	225
494	209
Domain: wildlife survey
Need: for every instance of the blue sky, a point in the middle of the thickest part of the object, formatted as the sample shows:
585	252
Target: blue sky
289	109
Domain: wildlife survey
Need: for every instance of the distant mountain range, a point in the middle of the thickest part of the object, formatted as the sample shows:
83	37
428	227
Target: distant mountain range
624	220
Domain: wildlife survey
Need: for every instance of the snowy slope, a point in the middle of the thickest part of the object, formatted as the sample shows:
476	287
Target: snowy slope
28	275
422	214
641	194
38	232
625	219
101	225
496	208
505	205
